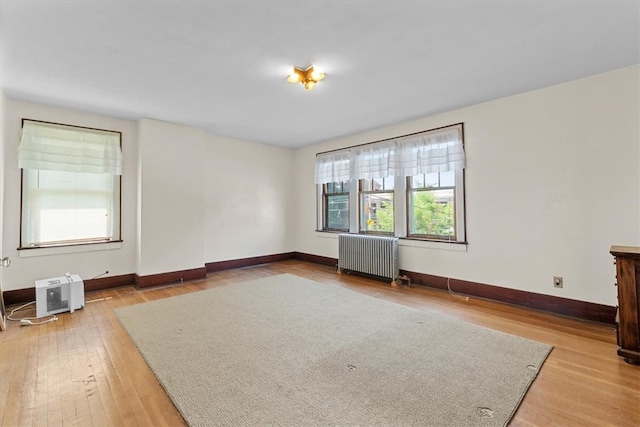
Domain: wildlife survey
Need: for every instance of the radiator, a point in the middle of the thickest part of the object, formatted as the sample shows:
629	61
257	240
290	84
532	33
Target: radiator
375	255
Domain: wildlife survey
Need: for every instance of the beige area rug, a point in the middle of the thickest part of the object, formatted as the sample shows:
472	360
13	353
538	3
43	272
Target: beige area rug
289	351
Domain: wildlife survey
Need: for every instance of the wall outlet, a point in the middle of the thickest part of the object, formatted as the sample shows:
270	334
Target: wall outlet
557	281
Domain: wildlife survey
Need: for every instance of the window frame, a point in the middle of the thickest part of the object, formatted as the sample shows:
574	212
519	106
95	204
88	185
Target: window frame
362	193
458	229
72	243
325	205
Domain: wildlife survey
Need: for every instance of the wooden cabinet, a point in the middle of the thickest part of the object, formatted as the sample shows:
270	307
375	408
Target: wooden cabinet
627	260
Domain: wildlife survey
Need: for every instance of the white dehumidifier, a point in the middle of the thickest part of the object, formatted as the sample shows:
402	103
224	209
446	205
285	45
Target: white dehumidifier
59	294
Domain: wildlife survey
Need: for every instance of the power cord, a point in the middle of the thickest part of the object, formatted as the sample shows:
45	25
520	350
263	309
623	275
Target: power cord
29	321
453	293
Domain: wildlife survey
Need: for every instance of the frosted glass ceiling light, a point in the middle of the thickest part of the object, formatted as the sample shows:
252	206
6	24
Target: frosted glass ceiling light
309	77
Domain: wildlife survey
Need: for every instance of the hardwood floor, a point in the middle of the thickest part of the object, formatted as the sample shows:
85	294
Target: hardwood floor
84	370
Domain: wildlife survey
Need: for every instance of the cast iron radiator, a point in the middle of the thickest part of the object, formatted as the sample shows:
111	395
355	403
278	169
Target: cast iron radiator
374	255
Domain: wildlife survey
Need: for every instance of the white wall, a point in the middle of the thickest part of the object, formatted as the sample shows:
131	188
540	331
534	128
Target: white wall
188	198
2	131
172	189
25	270
206	198
249	199
552	181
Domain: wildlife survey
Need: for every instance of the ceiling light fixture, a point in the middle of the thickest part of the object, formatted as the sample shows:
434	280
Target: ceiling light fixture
309	77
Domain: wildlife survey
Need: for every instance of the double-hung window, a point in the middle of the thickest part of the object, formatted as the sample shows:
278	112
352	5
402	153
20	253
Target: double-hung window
431	205
411	186
335	200
70	185
376	205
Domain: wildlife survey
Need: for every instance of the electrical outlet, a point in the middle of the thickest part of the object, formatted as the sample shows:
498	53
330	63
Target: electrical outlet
557	281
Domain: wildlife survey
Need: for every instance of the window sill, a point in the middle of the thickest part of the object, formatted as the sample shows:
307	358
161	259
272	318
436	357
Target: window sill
331	234
434	244
70	249
407	241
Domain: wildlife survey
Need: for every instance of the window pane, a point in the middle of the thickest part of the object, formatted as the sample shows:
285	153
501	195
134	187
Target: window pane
431	180
388	183
337	212
432	213
377	212
68	206
378	184
447	179
336	187
417	181
365	185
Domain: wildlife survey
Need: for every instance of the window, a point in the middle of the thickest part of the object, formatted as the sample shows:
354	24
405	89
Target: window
335	202
376	205
70	185
431	205
411	186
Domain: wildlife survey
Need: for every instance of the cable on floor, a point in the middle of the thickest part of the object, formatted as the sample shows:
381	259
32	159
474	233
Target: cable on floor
466	298
29	321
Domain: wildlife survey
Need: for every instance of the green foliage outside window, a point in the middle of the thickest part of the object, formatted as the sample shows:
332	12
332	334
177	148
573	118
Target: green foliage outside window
430	216
384	219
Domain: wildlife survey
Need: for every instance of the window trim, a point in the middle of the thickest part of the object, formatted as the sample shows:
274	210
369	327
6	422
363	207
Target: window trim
71	244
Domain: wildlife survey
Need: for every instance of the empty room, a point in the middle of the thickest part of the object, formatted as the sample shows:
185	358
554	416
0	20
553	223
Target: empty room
319	213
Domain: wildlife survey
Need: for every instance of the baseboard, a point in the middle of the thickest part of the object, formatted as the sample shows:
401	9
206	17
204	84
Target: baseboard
246	262
21	296
170	277
317	259
109	282
567	307
563	306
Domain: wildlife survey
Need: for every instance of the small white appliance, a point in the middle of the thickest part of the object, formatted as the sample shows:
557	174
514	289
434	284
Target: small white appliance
59	294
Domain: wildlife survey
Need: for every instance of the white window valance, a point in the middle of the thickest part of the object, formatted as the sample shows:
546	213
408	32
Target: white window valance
437	150
371	161
434	151
50	146
333	167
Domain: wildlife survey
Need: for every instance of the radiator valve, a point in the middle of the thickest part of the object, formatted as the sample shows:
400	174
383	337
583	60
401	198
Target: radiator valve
401	280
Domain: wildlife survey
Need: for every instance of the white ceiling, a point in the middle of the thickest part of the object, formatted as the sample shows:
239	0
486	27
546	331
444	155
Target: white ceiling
222	65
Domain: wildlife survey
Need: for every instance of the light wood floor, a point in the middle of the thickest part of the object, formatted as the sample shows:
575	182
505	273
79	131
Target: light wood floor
83	369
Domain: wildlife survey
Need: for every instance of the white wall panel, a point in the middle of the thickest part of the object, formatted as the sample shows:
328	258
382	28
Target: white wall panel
171	205
249	199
